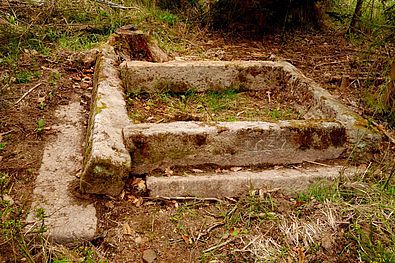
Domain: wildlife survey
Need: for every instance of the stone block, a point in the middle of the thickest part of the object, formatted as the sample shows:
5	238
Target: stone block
157	146
106	160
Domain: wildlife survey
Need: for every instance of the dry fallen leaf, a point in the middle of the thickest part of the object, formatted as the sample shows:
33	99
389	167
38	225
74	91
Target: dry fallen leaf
109	204
169	171
137	201
139	184
76	78
236	169
127	230
187	239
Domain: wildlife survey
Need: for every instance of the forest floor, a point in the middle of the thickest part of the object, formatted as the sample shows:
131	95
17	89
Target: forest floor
341	221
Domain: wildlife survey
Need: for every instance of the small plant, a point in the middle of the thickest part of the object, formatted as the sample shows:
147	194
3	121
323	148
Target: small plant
23	77
54	77
168	18
41	105
40	126
2	146
76	43
4	181
26	76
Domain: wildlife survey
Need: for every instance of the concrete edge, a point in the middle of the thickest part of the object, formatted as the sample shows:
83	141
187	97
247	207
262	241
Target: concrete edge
238	183
106	160
361	135
232	143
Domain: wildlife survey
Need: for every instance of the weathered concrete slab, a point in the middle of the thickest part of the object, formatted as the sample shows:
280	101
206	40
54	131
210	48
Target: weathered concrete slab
106	160
238	183
162	145
179	76
68	220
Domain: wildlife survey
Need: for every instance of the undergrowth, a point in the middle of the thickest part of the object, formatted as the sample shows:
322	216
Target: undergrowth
375	33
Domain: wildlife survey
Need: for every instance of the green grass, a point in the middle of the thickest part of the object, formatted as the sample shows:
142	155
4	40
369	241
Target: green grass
227	105
358	214
40	126
80	43
26	76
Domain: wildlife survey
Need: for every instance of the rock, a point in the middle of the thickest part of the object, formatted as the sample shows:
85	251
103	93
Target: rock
149	256
138	240
8	199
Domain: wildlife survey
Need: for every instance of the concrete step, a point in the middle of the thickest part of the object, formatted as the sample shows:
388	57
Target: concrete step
157	146
231	184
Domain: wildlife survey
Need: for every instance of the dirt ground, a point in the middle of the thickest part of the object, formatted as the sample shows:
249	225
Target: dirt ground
176	230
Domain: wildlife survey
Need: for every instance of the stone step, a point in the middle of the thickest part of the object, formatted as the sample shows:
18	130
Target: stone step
232	184
157	146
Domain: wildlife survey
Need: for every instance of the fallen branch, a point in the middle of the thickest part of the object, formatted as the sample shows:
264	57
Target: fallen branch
28	92
219	245
181	198
114	5
384	131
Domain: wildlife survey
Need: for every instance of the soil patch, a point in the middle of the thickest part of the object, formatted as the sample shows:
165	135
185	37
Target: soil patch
230	105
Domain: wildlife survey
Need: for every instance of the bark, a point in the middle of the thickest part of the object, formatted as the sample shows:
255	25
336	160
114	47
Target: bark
136	45
356	18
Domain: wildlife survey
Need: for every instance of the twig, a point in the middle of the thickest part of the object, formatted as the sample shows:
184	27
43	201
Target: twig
28	92
5	133
231	199
207	231
232	211
389	177
181	198
111	4
366	170
386	133
331	63
339	78
317	163
219	245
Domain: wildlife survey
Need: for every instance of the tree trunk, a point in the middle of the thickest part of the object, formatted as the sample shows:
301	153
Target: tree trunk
356	18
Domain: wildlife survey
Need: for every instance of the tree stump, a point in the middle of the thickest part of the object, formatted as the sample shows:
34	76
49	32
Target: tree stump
135	45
